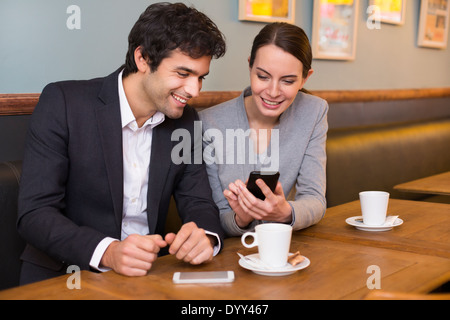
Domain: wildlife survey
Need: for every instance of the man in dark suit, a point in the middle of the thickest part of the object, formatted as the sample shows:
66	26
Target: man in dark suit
97	173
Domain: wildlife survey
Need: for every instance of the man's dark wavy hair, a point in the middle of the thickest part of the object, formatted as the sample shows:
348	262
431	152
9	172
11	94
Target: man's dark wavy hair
164	27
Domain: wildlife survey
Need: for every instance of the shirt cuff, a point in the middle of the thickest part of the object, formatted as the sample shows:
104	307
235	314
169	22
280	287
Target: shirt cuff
218	246
98	254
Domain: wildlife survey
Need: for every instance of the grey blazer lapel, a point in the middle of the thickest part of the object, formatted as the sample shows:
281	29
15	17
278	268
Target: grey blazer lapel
110	131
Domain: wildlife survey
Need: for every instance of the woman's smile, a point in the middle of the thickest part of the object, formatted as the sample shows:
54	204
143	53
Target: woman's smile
271	104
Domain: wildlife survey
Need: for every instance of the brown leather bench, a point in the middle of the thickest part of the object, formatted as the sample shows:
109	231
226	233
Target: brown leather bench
11	243
380	157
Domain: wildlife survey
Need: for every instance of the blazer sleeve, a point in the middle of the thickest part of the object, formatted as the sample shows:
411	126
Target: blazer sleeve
310	203
41	220
193	193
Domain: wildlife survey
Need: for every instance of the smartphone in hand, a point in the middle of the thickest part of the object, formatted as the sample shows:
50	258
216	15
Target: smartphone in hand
270	178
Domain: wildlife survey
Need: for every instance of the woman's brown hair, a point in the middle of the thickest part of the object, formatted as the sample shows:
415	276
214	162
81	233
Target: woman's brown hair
289	38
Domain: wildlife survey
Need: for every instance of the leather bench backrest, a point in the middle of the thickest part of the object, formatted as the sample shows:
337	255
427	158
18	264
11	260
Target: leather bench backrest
12	244
378	158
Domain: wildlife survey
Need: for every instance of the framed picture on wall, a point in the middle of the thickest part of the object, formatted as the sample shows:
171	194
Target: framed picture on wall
267	10
334	29
390	11
433	24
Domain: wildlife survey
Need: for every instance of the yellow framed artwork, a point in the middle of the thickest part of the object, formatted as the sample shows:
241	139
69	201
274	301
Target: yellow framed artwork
267	10
390	11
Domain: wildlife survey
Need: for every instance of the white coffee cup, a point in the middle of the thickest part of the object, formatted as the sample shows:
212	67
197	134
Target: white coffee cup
374	206
273	241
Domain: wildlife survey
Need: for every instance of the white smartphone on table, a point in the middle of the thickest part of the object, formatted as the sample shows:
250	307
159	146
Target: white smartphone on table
203	277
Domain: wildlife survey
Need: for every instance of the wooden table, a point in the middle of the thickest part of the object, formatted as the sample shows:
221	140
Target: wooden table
438	184
426	227
338	270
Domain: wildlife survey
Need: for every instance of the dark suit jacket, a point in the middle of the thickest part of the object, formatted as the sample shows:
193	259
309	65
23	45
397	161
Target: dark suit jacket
71	190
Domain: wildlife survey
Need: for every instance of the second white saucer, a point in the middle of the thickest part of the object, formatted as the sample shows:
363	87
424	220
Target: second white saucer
357	222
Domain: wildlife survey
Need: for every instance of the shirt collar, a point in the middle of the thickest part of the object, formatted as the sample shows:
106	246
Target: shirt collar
127	115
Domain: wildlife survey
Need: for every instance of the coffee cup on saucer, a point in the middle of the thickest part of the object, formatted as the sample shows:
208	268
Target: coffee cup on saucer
374	206
273	241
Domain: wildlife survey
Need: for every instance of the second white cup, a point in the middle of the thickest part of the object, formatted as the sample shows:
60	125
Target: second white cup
374	206
273	241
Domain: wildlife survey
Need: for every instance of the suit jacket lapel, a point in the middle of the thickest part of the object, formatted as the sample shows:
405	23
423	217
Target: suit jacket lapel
160	161
110	130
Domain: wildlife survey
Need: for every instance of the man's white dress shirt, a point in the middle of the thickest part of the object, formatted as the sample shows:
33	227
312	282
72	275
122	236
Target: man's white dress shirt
137	145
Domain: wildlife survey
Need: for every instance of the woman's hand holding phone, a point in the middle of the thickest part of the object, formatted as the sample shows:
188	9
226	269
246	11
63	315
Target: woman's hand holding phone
248	207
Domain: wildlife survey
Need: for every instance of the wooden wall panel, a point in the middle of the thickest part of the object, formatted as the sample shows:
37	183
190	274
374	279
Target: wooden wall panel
24	103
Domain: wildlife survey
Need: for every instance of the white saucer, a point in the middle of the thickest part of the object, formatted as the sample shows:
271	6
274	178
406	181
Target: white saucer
361	226
283	271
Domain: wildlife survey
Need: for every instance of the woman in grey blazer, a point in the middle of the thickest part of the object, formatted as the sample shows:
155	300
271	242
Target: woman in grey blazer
274	125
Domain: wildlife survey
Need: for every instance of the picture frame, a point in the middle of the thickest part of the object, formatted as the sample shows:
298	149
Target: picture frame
433	24
390	11
267	10
335	29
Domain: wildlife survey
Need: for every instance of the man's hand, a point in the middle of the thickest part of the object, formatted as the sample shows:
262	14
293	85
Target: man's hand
191	244
133	256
